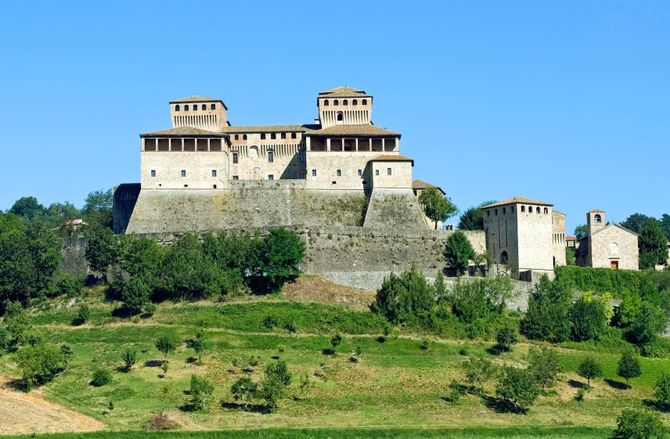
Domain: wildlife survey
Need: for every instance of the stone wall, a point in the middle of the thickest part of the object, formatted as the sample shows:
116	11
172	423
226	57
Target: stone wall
394	209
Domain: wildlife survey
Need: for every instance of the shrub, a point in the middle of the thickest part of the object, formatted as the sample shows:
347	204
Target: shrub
458	252
662	391
628	367
650	322
135	294
39	364
547	317
276	378
589	368
129	358
517	388
425	344
480	298
404	298
201	389
335	341
581	394
588	319
166	344
199	344
244	390
277	259
83	313
639	424
478	371
68	285
5	339
278	371
545	366
101	377
506	337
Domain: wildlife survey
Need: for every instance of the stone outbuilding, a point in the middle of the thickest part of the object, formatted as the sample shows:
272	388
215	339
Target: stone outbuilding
607	245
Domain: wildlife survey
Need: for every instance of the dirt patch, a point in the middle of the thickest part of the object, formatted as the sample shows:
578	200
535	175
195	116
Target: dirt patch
314	288
24	413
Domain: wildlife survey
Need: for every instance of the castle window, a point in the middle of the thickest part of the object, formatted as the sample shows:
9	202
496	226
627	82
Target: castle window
339	173
546	210
183	172
597	218
214	186
176	107
355	102
376	171
153	172
488	213
236	158
365	102
294	135
244	137
523	208
283	135
340	116
325	103
213	172
271	177
273	136
537	209
504	210
388	171
262	136
212	107
495	212
204	107
236	177
237	137
313	172
504	257
345	102
185	107
360	172
336	102
271	156
530	209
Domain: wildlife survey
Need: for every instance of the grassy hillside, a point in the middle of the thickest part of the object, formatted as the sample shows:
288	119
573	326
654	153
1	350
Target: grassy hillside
395	386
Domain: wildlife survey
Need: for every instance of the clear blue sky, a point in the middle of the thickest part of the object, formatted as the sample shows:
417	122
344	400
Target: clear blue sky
565	101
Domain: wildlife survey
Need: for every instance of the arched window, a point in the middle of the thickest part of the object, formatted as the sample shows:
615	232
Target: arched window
345	102
365	102
185	107
336	102
244	137
530	209
355	102
176	107
273	136
340	116
212	107
523	208
283	135
325	103
546	210
504	210
504	257
597	218
262	135
237	137
204	107
537	209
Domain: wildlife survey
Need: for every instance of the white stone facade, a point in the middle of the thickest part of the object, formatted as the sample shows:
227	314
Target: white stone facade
607	245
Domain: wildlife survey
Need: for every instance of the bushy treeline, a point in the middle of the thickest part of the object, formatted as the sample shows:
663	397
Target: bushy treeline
604	280
143	271
474	308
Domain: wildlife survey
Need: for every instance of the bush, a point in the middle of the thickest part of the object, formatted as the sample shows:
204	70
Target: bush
101	377
129	358
639	424
628	367
276	260
480	298
68	285
405	298
199	344
276	379
662	391
83	313
478	371
506	337
600	280
458	252
589	368
201	389
650	322
39	364
517	388
244	390
588	319
545	366
548	312
166	344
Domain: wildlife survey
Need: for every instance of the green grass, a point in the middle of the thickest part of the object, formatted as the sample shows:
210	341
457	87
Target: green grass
396	385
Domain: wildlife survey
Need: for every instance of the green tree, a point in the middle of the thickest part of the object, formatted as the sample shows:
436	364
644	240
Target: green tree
101	377
277	260
518	388
199	344
662	391
653	245
628	367
665	225
39	364
273	387
589	368
97	210
458	252
478	371
639	424
581	231
637	221
436	206
547	317
480	298
102	248
28	208
244	390
506	337
135	294
588	318
404	298
545	366
129	357
439	286
628	310
650	322
166	344
473	218
200	391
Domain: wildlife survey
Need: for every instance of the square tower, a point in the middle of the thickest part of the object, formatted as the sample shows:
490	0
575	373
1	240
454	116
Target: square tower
344	106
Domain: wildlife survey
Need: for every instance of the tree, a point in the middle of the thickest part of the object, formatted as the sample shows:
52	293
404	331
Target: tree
506	337
435	205
665	225
404	298
478	371
588	319
277	260
581	231
97	209
27	207
335	342
102	249
439	286
473	218
276	379
244	390
517	388
166	344
129	358
39	364
653	245
199	344
545	366
458	252
589	368
639	424
636	222
480	298
662	391
650	322
547	317
135	293
201	389
628	367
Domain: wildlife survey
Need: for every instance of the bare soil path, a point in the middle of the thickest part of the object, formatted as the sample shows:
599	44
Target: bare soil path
26	413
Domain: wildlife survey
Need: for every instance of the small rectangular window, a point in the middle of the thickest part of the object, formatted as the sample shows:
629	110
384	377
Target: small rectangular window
293	135
235	158
388	171
271	177
273	136
313	172
360	172
213	172
271	156
262	135
236	177
339	173
153	172
283	135
183	172
376	171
